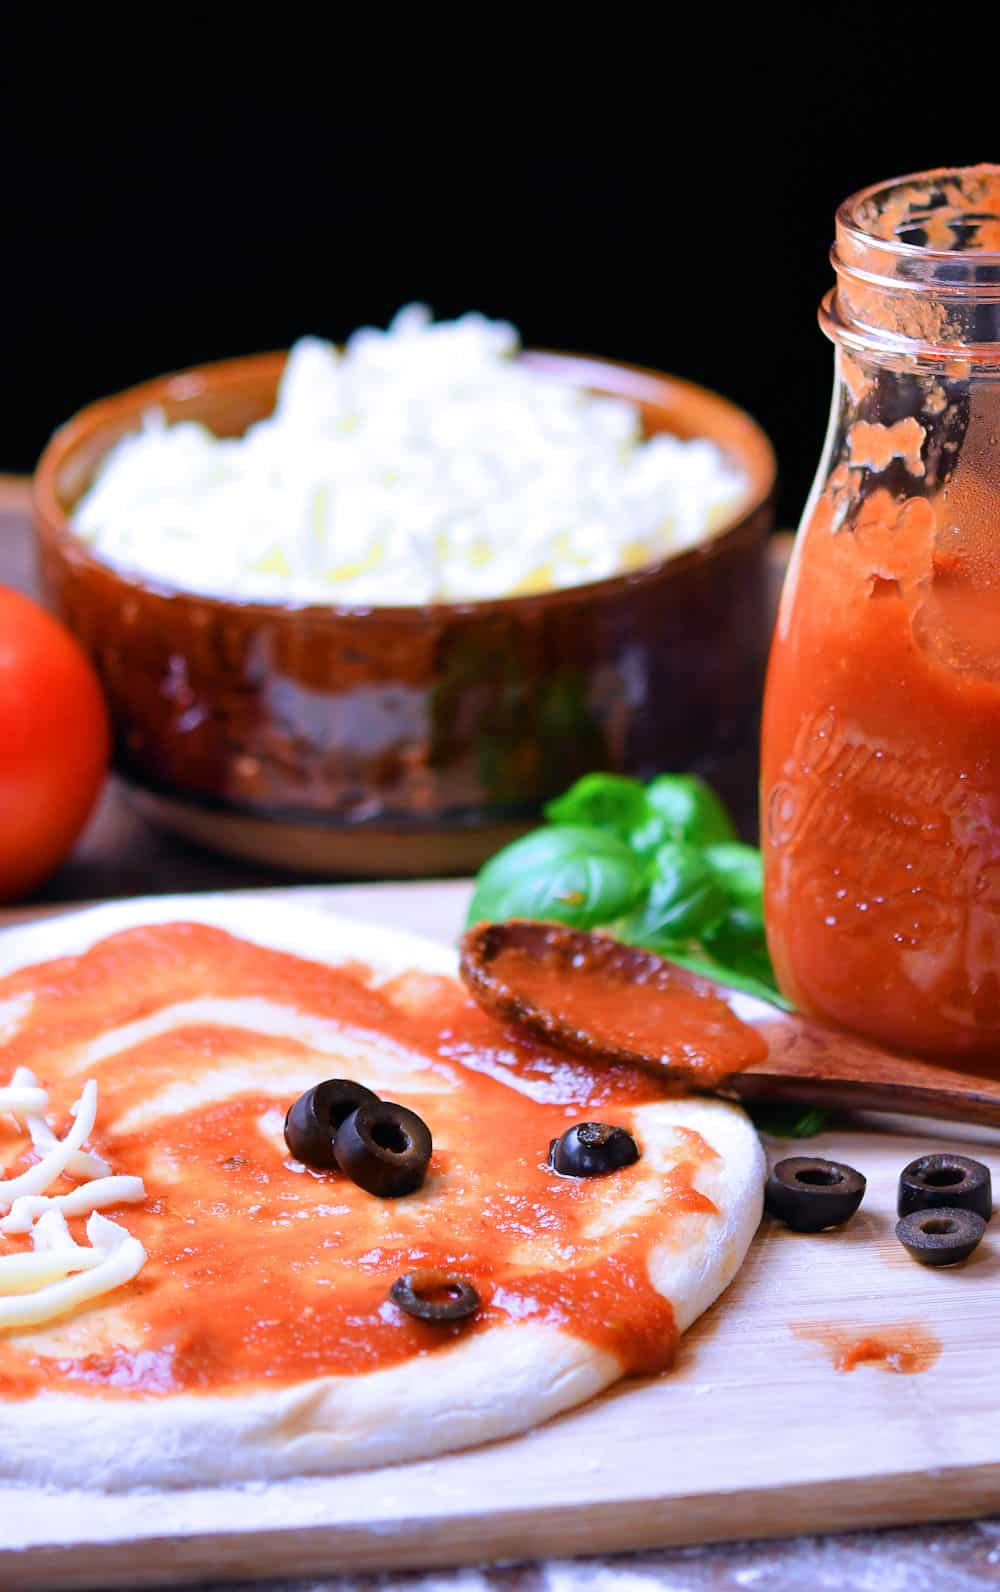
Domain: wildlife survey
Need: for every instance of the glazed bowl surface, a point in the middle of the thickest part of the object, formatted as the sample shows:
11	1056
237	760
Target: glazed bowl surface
379	742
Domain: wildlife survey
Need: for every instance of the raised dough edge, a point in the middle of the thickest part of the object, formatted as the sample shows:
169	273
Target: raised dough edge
485	1388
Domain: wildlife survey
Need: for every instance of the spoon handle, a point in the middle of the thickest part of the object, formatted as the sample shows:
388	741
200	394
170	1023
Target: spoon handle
820	1066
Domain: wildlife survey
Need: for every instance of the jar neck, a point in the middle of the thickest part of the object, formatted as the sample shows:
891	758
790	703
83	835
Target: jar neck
918	272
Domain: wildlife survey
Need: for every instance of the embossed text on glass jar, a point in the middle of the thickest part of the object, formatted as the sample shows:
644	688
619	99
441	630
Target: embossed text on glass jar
880	784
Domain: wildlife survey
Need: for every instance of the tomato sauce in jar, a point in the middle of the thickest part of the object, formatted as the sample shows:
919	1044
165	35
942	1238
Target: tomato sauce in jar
880	785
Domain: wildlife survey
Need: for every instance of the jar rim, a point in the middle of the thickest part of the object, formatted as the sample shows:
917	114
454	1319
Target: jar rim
918	267
854	225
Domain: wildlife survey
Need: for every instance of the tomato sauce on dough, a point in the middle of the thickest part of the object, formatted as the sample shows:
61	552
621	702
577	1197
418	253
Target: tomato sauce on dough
263	1272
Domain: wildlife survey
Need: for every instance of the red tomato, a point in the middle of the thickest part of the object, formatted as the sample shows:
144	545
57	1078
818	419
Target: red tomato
54	742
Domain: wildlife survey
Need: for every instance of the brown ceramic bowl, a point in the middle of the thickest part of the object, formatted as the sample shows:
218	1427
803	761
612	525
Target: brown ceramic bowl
416	740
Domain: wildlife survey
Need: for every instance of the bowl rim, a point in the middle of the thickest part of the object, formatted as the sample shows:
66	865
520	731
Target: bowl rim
756	457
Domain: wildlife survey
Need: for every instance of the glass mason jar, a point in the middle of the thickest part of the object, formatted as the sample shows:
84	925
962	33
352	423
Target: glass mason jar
880	782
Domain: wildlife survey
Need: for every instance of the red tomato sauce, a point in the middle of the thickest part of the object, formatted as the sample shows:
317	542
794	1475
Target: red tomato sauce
261	1272
604	999
907	1349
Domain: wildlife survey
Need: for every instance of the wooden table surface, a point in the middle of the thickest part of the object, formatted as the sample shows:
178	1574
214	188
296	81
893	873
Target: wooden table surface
120	855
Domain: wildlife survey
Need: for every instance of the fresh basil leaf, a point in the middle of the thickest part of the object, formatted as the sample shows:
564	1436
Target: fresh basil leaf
739	943
755	967
787	1121
571	874
690	808
648	836
739	869
754	964
738	936
743	924
683	897
603	801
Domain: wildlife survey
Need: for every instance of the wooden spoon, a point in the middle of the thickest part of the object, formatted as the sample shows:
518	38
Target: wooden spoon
598	998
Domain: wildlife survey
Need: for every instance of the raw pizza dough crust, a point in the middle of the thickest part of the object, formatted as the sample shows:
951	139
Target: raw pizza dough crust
492	1385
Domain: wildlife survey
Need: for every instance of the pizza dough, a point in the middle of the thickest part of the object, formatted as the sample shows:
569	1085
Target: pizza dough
521	1365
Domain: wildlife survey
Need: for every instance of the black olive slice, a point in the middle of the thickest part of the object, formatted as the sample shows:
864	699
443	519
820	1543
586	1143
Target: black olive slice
942	1236
809	1194
589	1149
312	1122
952	1180
415	1293
384	1148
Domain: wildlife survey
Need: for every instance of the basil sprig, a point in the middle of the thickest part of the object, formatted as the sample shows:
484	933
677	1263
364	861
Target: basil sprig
659	864
574	874
787	1121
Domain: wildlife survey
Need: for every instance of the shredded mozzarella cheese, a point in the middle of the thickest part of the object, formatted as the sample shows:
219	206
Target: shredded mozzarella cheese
58	1274
119	1258
52	1232
94	1196
39	1177
423	463
28	1271
20	1100
82	1163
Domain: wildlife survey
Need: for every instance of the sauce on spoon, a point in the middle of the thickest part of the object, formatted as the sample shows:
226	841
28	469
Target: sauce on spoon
597	997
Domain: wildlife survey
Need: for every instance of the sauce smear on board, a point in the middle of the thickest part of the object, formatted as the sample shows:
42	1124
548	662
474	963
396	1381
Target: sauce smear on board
262	1272
905	1347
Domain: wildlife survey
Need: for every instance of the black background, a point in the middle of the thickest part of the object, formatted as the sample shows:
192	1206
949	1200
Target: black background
656	186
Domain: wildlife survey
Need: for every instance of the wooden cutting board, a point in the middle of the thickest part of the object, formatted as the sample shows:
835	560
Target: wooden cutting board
754	1433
